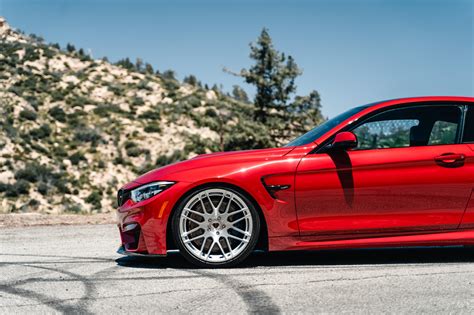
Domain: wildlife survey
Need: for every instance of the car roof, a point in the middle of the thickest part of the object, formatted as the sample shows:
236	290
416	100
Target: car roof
421	99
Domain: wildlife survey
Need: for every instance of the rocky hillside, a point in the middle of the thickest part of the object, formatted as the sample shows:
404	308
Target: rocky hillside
73	129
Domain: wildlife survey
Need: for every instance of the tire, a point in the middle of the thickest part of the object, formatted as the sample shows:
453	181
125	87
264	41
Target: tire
215	227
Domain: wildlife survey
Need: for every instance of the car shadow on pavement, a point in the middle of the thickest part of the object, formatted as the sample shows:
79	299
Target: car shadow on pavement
321	258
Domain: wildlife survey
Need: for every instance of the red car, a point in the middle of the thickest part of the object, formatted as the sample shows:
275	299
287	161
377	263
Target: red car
388	174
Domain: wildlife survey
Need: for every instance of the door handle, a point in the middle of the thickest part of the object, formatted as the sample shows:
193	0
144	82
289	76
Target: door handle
450	158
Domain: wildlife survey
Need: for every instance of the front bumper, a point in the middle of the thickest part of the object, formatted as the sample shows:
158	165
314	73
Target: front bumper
143	225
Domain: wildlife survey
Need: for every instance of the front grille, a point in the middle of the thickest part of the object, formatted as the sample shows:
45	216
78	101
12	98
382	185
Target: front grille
122	196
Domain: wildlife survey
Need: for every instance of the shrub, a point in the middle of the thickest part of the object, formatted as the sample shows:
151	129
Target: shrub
57	95
34	172
150	114
87	135
130	144
79	101
3	187
152	128
104	110
76	157
58	114
43	188
134	151
163	160
137	101
61	185
94	198
74	208
33	202
21	187
42	132
28	114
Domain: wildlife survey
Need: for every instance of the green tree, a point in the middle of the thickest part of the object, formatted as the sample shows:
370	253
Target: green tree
169	74
239	94
139	64
70	48
149	68
191	80
125	63
273	74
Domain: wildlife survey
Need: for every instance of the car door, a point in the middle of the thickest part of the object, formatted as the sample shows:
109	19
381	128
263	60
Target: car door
406	174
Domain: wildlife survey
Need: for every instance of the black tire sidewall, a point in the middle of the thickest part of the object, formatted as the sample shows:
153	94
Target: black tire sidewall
229	263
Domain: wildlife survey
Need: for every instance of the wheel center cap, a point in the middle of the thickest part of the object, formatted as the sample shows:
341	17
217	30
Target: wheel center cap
216	225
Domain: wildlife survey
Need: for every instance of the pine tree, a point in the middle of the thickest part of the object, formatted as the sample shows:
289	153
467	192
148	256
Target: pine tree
139	64
191	80
125	63
239	94
274	76
149	68
70	48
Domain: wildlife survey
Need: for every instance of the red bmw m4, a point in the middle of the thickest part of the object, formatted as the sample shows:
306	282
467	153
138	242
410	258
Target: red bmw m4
389	174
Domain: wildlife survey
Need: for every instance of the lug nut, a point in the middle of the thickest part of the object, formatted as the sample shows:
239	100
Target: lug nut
219	218
217	233
223	226
210	220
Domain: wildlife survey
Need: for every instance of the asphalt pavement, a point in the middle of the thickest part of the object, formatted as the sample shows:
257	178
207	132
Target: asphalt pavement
75	269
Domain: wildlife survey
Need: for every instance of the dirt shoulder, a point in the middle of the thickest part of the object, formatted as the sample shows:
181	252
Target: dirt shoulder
35	219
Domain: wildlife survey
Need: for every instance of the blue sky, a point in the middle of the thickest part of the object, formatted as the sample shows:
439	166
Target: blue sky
352	52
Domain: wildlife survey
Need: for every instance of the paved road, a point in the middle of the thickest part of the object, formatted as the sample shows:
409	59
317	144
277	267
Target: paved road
74	269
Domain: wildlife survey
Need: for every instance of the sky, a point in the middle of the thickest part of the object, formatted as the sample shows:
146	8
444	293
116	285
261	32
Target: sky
352	52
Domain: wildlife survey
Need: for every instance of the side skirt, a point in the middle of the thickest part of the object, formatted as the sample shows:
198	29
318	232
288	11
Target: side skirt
445	238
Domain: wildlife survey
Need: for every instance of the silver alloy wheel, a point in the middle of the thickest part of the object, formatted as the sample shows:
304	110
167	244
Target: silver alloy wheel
215	225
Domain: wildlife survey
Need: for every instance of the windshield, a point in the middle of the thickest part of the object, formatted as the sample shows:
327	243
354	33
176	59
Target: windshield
317	132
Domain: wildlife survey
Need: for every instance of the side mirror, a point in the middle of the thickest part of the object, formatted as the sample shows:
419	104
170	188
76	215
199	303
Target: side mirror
344	141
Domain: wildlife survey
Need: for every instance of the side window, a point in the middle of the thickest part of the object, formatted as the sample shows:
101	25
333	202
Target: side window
443	132
385	134
469	126
409	127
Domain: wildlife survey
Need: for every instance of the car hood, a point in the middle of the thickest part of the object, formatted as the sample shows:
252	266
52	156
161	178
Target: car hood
212	159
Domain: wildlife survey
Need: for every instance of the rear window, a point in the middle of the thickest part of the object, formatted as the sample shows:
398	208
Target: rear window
469	126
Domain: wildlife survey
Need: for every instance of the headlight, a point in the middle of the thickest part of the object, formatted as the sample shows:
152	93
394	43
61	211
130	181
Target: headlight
149	190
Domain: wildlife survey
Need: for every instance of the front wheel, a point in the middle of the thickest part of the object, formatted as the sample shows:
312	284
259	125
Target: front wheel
216	227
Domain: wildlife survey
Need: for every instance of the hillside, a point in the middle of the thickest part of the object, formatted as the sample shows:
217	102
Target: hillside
73	129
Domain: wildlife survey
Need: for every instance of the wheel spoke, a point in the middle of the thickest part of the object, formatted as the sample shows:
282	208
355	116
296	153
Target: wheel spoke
238	211
210	201
240	219
222	250
228	245
194	238
191	231
236	238
195	212
210	249
240	231
192	220
228	205
220	203
202	204
203	244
